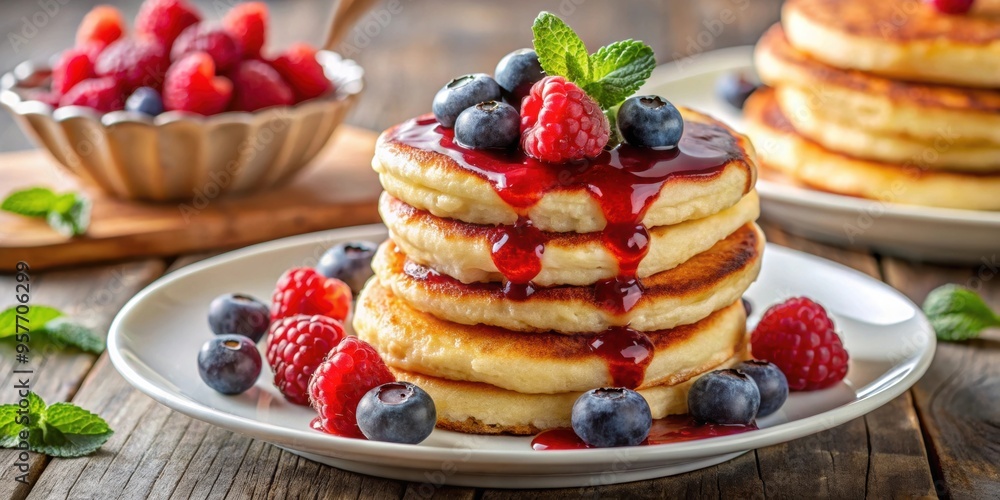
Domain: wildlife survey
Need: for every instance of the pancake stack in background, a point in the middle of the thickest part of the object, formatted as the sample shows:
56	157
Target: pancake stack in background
509	286
888	100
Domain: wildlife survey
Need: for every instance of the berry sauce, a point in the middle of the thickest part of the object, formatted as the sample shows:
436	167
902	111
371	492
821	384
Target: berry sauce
671	429
623	181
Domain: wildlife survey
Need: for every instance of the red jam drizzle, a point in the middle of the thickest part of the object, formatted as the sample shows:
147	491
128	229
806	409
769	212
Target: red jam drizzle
517	253
627	354
672	429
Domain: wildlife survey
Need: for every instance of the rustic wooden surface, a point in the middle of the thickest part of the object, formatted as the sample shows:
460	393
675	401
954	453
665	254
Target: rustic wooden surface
939	439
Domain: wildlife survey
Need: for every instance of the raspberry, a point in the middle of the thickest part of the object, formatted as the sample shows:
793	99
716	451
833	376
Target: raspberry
798	337
296	345
560	122
102	94
134	63
257	85
299	67
351	370
50	98
103	25
191	85
213	40
73	67
164	20
302	290
247	23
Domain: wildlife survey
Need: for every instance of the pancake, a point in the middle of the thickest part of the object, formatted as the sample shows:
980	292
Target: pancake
540	363
905	39
683	295
463	251
781	148
485	409
414	167
860	101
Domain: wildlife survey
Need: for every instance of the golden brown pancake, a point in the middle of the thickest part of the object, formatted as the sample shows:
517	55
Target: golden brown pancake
685	294
905	39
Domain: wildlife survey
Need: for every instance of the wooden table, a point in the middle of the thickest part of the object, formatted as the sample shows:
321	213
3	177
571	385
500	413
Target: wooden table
940	439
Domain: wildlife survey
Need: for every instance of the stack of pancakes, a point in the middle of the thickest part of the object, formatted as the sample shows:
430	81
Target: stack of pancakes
888	100
440	309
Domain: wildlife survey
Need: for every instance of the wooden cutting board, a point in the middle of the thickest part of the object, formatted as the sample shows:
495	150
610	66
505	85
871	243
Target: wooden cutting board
338	189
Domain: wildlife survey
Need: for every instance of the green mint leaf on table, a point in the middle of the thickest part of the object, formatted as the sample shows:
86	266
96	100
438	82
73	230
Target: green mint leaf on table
34	320
560	51
618	70
63	332
68	213
57	430
33	202
957	313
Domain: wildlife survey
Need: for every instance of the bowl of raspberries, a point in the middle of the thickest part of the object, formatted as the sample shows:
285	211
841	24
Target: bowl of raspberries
178	105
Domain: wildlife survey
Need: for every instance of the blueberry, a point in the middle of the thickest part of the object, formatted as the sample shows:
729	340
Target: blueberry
349	262
461	93
771	383
145	100
611	416
747	306
229	364
239	314
490	124
650	121
727	397
397	412
735	88
517	72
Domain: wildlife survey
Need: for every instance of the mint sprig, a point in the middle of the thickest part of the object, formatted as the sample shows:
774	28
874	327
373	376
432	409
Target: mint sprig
957	313
57	430
53	324
67	213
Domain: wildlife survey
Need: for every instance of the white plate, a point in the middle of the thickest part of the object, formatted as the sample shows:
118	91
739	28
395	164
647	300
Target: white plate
154	340
911	231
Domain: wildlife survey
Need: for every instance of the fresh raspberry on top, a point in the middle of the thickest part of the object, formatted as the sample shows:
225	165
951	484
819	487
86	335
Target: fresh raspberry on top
191	85
296	345
204	37
102	94
73	67
164	20
351	370
302	290
134	63
799	337
103	25
560	122
247	23
299	67
257	85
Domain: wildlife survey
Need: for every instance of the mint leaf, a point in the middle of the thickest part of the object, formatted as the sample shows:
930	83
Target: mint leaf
9	426
59	430
32	202
957	313
63	332
560	51
618	70
34	320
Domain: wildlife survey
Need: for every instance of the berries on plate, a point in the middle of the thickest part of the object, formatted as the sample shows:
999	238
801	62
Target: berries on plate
164	20
747	306
191	85
229	364
735	88
239	314
102	94
72	67
771	383
134	63
256	85
302	290
103	25
560	122
145	100
296	346
299	68
799	337
490	124
650	121
726	397
951	6
517	72
208	38
461	93
247	23
349	262
611	416
397	412
350	371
